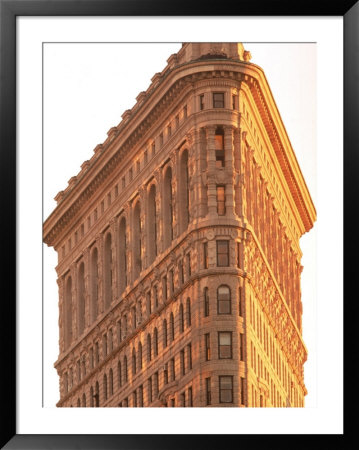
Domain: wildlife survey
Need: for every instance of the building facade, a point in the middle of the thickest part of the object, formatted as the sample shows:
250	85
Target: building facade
178	247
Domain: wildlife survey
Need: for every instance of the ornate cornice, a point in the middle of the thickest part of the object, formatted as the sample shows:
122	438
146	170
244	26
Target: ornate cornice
121	139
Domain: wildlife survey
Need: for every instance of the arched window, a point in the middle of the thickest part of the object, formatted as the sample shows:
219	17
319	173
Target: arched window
68	313
184	192
149	350
133	362
172	327
125	370
110	382
188	312
137	245
155	342
122	255
94	284
164	326
167	208
119	374
105	387
181	318
92	398
81	299
140	362
223	300
108	270
84	400
152	225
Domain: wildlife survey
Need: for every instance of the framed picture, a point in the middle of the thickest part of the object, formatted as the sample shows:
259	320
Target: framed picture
30	111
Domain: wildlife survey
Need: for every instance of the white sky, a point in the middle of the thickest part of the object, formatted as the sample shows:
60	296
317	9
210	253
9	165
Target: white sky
87	87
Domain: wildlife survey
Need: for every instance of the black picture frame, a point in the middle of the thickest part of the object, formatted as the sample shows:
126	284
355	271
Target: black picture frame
9	10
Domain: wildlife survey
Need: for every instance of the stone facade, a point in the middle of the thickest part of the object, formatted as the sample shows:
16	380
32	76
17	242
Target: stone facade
178	247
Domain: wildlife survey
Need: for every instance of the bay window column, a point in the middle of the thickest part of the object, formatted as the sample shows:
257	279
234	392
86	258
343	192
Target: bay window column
159	207
74	309
114	259
62	321
143	221
87	287
211	172
229	157
100	248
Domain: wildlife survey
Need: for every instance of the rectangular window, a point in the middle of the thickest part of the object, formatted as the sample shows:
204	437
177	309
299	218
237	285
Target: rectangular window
172	285
185	112
205	255
182	360
189	356
207	346
131	174
165	374
140	396
155	296
123	182
173	369
235	101
208	391
221	201
109	199
238	255
177	121
206	302
149	303
222	253
138	166
173	402
241	347
153	147
145	157
183	399
218	100
225	389
220	158
156	386
240	303
134	397
181	273
224	345
164	288
116	190
149	389
190	396
201	102
161	139
189	270
169	131
224	300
